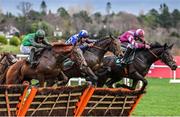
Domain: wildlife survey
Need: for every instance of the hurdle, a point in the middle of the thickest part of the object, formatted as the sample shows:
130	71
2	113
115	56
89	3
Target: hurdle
82	100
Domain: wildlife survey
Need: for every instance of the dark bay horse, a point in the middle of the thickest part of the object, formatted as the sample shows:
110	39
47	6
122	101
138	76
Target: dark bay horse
6	60
49	66
95	54
139	67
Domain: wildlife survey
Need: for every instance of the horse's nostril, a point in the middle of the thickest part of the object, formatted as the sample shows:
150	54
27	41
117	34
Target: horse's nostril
174	67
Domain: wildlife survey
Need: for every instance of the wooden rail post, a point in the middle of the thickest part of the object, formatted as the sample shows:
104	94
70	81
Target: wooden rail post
7	103
84	99
25	107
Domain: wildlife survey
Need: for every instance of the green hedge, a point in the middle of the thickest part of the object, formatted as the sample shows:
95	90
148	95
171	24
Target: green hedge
3	40
15	41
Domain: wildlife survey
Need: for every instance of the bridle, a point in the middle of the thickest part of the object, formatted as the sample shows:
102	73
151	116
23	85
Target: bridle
155	55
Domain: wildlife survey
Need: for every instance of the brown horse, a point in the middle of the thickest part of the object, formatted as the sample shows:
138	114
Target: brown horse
49	66
94	56
6	60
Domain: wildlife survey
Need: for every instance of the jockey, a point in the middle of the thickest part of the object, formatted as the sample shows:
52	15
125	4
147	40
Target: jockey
82	39
130	38
33	43
83	43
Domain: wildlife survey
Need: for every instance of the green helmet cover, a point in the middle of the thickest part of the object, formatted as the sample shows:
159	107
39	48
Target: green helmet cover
40	33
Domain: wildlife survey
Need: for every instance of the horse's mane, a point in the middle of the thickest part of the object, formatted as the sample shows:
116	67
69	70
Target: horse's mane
156	45
60	44
61	47
100	40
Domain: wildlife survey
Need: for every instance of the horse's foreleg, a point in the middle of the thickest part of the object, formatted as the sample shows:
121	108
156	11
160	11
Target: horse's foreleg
124	86
101	81
138	77
41	80
65	78
134	84
62	78
110	83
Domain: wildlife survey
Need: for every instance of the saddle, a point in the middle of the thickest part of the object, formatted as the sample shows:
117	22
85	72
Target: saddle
38	54
67	64
129	59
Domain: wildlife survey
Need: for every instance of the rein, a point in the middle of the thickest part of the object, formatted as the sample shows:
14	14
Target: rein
153	53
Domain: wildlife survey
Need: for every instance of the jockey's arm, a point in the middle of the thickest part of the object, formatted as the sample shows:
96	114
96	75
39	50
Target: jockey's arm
37	45
45	42
90	41
83	47
134	43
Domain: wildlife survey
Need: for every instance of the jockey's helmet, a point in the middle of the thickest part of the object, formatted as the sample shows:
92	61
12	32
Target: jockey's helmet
140	34
40	33
83	34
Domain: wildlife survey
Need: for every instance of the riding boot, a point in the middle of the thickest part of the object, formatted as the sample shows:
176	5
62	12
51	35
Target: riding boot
126	55
31	59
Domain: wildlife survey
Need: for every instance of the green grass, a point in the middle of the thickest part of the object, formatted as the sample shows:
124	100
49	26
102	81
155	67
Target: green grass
161	99
9	48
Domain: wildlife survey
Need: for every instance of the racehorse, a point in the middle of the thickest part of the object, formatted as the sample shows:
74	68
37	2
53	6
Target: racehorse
6	60
94	56
49	66
139	67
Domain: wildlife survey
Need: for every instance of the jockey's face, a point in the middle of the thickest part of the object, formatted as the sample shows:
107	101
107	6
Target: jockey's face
40	39
83	40
136	38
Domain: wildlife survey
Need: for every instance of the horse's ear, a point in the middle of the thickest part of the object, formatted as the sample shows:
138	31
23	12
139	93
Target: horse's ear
112	37
165	46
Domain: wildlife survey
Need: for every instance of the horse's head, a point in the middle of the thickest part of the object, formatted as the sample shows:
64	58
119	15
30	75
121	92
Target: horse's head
6	60
164	54
109	44
167	58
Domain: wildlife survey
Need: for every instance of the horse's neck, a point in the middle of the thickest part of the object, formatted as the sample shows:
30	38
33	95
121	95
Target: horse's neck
98	50
144	59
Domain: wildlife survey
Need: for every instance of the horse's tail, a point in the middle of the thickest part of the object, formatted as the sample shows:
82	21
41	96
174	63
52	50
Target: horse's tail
13	72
